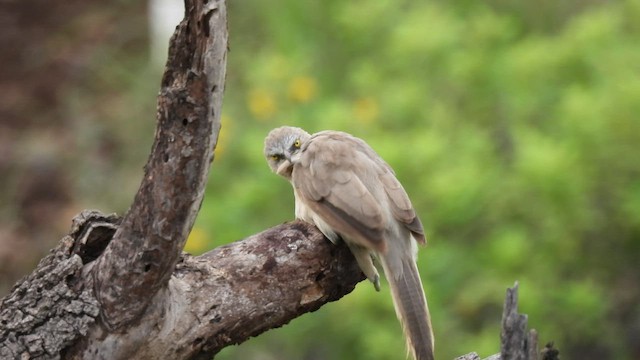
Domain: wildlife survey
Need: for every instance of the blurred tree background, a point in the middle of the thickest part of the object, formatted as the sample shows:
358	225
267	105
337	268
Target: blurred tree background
513	126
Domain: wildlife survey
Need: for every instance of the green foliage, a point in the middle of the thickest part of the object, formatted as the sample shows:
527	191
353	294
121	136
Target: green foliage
516	135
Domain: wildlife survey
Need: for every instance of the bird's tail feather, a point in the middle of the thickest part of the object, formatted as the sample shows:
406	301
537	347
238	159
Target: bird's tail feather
410	304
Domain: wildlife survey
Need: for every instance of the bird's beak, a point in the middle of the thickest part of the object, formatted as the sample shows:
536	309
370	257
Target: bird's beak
285	168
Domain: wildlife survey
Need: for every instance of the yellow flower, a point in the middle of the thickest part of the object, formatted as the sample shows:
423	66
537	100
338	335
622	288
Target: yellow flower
262	104
302	89
196	242
365	110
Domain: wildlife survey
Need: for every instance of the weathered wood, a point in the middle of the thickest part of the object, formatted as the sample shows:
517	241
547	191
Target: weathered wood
214	300
475	356
261	283
516	343
469	356
142	255
231	293
50	308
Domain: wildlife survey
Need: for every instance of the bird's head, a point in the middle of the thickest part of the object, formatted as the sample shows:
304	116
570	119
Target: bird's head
282	147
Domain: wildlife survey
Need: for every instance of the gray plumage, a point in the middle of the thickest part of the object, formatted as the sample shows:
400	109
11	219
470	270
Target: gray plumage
345	188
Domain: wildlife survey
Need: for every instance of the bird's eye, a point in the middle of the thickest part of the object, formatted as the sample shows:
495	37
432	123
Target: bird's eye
297	144
275	157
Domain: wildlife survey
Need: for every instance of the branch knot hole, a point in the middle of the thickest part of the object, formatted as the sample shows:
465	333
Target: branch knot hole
205	23
209	10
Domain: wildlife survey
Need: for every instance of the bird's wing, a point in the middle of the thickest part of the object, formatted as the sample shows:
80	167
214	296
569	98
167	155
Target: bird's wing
401	207
340	178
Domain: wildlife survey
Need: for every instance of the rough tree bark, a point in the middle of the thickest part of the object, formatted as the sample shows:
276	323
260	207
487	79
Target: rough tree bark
119	288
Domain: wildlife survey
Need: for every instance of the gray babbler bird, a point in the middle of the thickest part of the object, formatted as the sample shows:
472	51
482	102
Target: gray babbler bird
343	186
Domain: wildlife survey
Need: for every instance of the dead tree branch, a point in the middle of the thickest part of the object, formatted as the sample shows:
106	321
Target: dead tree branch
220	298
140	259
516	343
